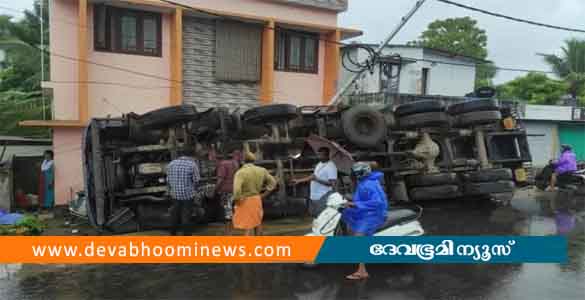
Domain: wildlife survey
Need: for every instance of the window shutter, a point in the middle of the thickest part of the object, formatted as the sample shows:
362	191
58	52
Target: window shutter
237	51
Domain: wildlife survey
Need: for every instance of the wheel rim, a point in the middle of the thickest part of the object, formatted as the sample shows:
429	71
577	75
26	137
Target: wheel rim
364	124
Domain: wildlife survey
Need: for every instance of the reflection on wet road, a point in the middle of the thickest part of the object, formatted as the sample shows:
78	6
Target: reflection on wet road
528	214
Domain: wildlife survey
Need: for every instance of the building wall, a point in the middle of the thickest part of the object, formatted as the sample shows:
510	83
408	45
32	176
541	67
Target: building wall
301	88
548	112
329	4
444	79
542	148
269	9
449	80
68	166
370	81
111	91
200	86
131	92
574	135
63	33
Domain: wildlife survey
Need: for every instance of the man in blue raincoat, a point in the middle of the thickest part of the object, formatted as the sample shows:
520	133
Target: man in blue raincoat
368	208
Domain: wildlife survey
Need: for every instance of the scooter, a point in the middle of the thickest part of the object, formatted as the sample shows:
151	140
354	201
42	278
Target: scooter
575	181
399	221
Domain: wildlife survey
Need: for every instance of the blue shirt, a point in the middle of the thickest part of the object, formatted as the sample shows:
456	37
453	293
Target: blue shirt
182	178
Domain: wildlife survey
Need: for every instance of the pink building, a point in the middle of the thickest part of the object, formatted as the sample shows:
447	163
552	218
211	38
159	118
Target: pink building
114	57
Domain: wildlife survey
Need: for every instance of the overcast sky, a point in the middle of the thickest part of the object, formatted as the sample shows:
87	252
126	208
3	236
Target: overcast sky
510	44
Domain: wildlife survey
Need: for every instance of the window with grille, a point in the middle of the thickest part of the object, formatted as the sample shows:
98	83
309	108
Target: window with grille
296	51
127	31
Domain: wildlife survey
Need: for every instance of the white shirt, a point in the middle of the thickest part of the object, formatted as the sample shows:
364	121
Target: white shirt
47	164
324	171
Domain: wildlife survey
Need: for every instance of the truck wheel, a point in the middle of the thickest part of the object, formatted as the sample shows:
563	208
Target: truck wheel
434	192
237	121
482	188
164	117
364	126
390	120
432	179
209	119
419	107
427	119
489	175
280	112
478	105
478	118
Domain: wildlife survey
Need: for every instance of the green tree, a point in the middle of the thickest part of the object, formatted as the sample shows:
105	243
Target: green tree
461	36
20	77
570	66
535	88
21	40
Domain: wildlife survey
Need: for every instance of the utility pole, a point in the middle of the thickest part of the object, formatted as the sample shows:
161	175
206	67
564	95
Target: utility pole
403	22
41	20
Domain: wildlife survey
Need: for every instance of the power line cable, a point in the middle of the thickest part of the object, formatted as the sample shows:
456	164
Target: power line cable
143	74
483	11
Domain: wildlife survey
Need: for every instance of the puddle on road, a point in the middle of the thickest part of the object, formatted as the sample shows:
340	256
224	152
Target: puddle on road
528	214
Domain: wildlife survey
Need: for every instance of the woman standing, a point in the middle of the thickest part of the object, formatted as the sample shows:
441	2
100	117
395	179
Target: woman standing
367	210
47	182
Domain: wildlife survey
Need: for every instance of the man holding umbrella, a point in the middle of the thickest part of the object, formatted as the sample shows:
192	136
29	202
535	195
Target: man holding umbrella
323	180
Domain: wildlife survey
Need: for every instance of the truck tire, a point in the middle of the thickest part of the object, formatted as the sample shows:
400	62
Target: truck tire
390	120
237	121
432	180
477	105
434	192
273	112
495	187
210	119
164	117
478	118
419	107
364	126
428	119
489	175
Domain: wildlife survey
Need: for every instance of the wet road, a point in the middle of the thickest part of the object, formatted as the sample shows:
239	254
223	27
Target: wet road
528	214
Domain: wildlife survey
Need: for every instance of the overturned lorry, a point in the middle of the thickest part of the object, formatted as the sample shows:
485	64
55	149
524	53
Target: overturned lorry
426	149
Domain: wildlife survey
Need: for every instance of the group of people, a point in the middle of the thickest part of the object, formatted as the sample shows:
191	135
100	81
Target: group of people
241	188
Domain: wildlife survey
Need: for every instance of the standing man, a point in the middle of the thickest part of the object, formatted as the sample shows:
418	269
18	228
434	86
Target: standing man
565	165
323	181
251	184
47	181
224	188
182	177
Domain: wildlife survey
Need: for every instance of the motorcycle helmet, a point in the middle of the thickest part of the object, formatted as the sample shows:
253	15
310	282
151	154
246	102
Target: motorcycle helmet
360	170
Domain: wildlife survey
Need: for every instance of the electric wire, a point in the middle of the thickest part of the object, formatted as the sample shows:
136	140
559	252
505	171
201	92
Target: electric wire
483	11
368	63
